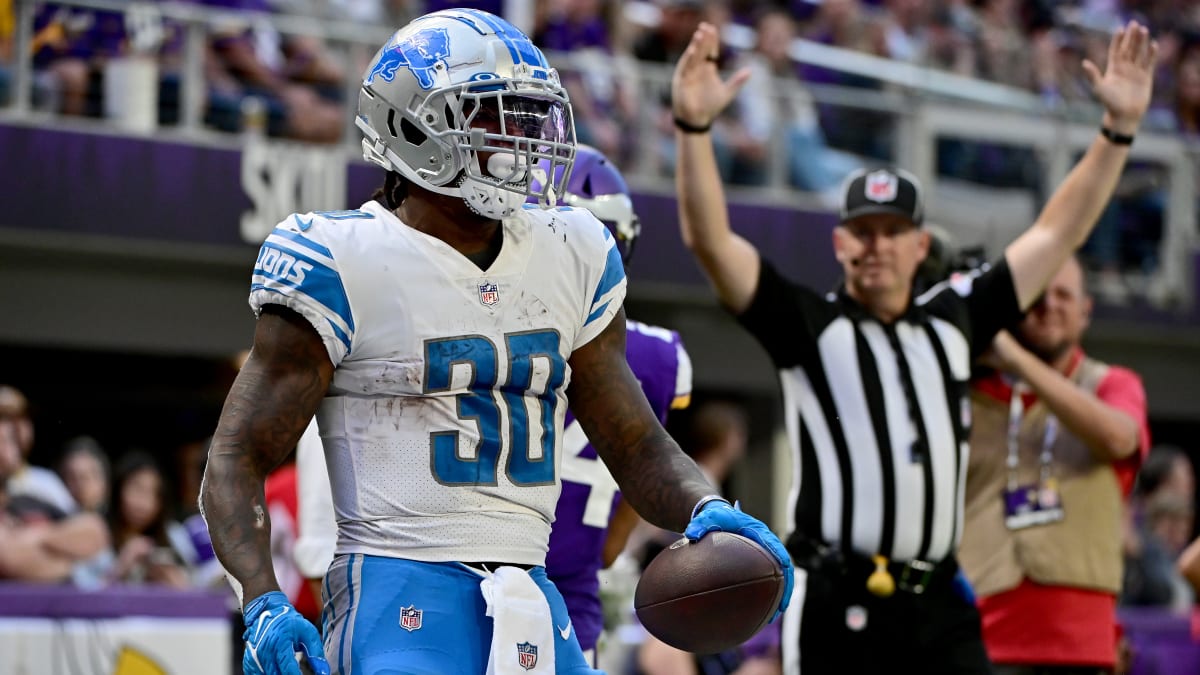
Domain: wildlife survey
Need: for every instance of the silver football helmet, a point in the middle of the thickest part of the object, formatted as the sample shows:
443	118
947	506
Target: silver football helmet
461	103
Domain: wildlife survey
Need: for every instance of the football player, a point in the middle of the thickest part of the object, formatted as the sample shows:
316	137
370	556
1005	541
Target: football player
436	334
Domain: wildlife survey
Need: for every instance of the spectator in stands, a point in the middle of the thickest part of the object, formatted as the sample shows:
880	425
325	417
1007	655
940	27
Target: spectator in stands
602	99
775	113
34	545
1056	440
74	48
69	47
1004	50
146	548
86	472
251	65
663	45
904	28
1056	55
27	481
1159	528
950	40
678	19
847	24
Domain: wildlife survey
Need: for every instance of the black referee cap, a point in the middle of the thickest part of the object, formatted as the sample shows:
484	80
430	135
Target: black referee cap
870	191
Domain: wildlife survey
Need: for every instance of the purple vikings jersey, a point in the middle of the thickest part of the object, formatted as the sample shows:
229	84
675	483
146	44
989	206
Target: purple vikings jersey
589	493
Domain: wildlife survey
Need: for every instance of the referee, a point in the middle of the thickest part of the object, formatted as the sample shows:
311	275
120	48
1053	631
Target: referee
875	380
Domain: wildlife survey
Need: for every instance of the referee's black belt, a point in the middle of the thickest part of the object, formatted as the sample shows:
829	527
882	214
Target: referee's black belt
910	576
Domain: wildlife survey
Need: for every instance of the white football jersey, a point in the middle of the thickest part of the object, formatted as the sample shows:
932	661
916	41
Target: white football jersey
442	425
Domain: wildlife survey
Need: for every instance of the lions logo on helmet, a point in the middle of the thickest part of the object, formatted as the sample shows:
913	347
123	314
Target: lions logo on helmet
460	102
597	185
420	53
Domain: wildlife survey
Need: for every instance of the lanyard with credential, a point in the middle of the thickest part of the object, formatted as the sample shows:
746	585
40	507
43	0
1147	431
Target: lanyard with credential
1016	410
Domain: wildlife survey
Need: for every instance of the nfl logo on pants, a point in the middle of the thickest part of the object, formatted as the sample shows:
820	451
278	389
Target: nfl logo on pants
527	655
410	618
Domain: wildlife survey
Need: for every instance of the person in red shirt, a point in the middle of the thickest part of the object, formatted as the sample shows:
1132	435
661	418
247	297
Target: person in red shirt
1057	438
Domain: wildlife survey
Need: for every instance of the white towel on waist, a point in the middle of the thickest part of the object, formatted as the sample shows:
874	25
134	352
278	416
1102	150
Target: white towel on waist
523	635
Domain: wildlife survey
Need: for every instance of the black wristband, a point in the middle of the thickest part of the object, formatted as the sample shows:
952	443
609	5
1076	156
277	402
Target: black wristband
1115	138
690	128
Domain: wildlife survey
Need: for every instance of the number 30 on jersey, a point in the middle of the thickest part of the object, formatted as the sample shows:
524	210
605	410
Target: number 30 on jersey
536	370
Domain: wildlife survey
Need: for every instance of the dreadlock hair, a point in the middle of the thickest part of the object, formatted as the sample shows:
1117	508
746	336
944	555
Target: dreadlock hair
394	190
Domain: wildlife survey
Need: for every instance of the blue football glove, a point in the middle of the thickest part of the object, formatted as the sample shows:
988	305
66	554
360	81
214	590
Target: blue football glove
720	515
275	631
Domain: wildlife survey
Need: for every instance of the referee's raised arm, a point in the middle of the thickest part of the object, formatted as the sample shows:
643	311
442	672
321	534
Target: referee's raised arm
1068	218
698	94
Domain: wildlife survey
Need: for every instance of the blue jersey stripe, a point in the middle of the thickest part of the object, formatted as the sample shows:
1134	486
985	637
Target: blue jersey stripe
519	46
314	278
349	612
341	335
338	332
303	241
327	610
614	273
597	314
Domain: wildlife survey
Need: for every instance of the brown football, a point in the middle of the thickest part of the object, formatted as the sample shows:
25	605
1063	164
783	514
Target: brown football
709	595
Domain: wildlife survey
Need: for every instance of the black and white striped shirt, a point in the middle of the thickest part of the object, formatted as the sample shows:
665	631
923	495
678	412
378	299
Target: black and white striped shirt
878	415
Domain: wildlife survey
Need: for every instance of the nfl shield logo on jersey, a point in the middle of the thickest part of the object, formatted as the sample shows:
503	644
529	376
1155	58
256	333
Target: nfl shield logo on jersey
527	655
410	618
489	294
881	186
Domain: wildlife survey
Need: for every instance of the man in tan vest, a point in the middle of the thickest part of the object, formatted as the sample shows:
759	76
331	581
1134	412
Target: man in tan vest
1056	441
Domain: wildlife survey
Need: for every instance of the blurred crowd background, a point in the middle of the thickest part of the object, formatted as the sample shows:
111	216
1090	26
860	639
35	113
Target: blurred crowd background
616	57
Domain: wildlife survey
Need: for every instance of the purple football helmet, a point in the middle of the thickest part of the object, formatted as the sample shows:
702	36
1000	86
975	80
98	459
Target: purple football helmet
597	185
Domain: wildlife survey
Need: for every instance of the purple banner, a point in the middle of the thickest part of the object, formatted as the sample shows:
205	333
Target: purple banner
145	189
171	192
69	602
